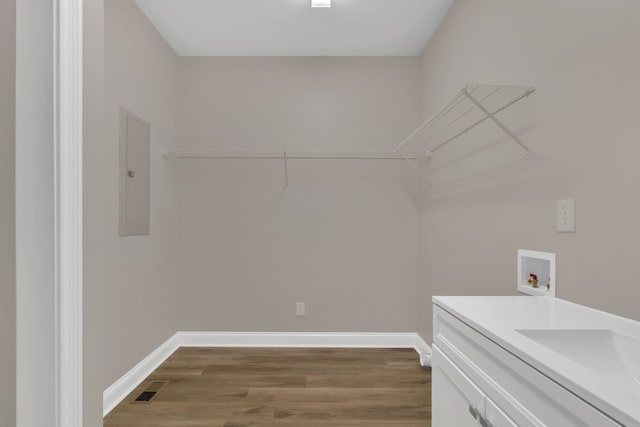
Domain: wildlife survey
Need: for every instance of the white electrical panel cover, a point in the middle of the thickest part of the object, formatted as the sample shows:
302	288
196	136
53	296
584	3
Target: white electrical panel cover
135	139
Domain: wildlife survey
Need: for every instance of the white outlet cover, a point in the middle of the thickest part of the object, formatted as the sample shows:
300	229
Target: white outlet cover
300	309
567	216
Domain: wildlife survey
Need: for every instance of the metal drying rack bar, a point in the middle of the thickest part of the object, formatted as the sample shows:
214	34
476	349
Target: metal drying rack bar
478	97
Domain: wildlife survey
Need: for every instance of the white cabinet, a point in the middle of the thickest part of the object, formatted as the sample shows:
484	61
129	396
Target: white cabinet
495	416
458	402
476	382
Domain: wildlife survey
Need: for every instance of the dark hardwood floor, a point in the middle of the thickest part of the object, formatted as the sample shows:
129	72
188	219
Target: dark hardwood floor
266	387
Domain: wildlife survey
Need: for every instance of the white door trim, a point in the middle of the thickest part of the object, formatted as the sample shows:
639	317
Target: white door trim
68	210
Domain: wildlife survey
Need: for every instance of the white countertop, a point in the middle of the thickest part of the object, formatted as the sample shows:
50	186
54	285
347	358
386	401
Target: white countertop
500	318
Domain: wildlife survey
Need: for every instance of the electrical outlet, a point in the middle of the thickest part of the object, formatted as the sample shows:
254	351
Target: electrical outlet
567	216
301	309
425	360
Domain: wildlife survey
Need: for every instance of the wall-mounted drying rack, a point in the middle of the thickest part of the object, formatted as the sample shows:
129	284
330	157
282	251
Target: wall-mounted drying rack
286	155
470	107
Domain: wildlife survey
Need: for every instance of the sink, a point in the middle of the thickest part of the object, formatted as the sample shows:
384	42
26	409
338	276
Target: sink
610	354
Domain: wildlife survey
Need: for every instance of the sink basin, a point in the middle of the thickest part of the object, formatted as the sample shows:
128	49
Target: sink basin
610	354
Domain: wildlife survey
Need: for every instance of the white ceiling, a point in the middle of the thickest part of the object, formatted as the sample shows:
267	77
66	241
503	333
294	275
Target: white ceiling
293	28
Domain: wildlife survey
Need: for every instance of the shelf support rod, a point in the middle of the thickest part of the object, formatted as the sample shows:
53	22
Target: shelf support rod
286	170
418	168
290	155
498	122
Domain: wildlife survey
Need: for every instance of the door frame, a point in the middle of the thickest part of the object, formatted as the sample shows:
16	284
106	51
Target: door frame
68	154
49	218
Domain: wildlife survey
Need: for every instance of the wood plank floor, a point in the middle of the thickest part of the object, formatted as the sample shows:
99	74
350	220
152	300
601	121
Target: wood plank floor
266	387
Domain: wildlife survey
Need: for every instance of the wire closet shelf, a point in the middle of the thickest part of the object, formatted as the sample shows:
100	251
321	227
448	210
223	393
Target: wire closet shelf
287	155
469	108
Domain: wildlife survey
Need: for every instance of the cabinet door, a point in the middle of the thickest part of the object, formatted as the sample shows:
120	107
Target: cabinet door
495	417
455	400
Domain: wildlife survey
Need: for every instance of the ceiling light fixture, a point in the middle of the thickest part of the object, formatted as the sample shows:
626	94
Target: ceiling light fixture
320	3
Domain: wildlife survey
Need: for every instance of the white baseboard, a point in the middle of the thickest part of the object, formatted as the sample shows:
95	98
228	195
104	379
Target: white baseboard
119	390
424	350
297	339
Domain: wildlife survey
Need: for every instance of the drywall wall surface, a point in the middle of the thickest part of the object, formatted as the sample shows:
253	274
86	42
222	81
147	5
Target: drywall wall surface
95	151
340	238
139	298
581	126
7	213
298	103
35	258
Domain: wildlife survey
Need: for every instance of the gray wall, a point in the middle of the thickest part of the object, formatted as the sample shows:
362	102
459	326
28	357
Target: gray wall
140	297
582	127
341	238
7	213
95	152
35	257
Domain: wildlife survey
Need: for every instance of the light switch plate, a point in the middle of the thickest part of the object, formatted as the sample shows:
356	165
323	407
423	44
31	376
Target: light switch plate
567	216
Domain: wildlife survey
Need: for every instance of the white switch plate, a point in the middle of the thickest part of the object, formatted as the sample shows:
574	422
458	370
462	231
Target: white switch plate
300	309
567	216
